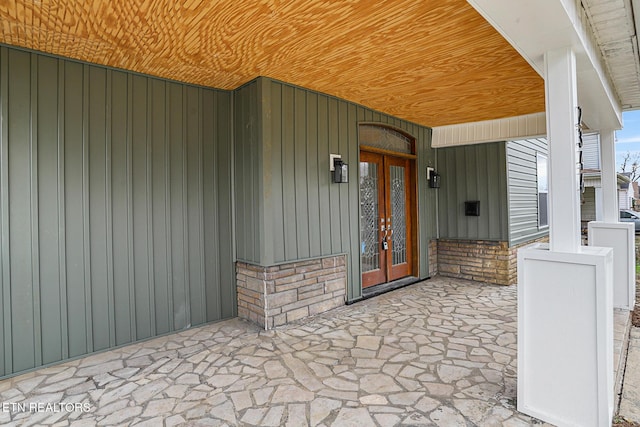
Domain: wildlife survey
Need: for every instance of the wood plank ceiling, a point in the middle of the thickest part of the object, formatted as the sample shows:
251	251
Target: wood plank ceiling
433	62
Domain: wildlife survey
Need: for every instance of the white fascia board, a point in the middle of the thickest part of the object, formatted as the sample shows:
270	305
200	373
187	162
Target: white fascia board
535	27
510	128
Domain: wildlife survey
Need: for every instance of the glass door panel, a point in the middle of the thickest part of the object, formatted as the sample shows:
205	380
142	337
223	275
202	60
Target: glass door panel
372	207
398	215
399	220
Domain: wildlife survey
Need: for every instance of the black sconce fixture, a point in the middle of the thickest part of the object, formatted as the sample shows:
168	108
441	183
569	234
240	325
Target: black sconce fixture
339	169
433	177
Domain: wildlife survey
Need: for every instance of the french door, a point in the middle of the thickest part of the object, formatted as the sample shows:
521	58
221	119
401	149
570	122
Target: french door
385	221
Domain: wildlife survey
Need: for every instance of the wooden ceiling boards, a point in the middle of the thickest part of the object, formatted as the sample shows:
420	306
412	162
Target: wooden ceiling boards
433	62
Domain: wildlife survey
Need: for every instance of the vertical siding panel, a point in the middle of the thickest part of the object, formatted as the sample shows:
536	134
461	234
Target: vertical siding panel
6	356
324	182
343	149
278	163
240	177
450	207
353	151
86	208
225	285
300	173
47	131
141	159
177	244
120	225
503	196
483	171
470	179
313	170
334	189
159	200
288	173
77	320
194	228
246	173
426	196
257	177
459	166
131	270
20	215
251	153
35	214
109	213
492	182
211	233
61	232
97	207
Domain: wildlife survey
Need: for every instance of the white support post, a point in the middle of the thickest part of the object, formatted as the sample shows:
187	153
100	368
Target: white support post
562	132
565	291
608	176
614	234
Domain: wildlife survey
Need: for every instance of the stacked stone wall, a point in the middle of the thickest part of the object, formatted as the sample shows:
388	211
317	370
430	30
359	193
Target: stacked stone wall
277	295
480	260
433	257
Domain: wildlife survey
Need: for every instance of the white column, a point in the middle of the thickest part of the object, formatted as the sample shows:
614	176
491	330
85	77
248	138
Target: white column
614	234
562	118
609	176
565	288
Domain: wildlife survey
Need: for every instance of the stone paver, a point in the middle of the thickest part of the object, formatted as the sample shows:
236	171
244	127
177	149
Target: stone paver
441	352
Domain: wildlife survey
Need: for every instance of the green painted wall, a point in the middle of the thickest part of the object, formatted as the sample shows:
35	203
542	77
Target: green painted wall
282	176
523	189
248	179
115	208
473	172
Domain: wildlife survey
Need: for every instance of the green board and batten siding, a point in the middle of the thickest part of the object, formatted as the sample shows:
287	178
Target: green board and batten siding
523	189
473	172
117	199
115	208
296	212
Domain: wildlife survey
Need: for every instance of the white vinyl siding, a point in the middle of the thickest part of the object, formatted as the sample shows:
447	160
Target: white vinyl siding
591	151
522	172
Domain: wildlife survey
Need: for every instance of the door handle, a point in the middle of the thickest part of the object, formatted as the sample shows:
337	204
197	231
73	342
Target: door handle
383	242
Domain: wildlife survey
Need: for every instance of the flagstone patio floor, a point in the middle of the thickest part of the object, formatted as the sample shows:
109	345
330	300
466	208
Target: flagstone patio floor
440	352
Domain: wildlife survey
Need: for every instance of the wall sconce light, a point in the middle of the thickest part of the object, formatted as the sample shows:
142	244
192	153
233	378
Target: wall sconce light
433	177
339	169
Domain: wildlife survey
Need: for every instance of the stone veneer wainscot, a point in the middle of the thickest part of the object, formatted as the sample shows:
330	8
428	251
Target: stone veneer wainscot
480	260
277	295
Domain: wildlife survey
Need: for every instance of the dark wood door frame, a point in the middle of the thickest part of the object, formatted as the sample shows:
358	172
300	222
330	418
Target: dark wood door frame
387	271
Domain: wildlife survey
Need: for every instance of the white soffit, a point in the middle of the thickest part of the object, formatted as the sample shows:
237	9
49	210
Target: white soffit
510	128
536	27
615	29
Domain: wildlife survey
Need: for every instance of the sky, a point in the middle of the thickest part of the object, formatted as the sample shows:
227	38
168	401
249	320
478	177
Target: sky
628	138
